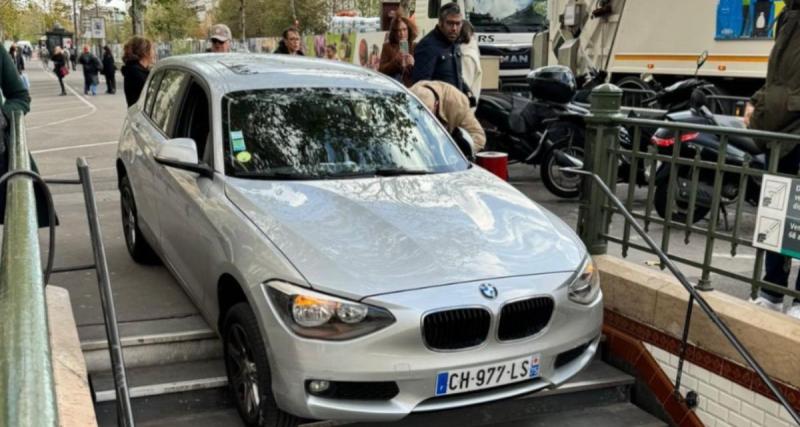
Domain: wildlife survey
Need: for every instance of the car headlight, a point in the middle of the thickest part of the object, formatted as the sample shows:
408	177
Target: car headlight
586	286
314	315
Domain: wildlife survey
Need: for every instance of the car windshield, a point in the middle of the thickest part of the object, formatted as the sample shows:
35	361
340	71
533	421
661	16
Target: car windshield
507	16
324	133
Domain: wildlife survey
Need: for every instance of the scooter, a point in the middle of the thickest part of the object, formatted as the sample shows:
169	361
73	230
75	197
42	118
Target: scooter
739	151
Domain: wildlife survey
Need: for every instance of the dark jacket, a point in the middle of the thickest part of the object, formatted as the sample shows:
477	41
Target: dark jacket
17	99
109	67
58	62
91	65
19	61
777	104
392	63
437	58
285	50
135	75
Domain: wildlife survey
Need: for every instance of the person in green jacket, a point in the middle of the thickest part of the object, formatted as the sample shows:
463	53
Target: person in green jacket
776	108
13	90
15	98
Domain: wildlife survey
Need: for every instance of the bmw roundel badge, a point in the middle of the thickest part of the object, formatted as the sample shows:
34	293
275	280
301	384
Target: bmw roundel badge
488	290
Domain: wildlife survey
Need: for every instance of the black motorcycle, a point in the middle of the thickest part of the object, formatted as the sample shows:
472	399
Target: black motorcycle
528	124
739	151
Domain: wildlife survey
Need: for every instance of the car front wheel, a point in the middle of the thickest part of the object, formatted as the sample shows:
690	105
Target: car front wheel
248	371
138	248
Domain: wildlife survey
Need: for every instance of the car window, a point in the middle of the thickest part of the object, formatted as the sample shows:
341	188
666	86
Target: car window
324	133
151	93
194	121
167	99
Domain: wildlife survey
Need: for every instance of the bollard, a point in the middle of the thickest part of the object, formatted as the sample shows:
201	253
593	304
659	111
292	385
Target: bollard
495	162
601	135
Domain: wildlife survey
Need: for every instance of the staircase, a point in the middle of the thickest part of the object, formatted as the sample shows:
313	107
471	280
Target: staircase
177	378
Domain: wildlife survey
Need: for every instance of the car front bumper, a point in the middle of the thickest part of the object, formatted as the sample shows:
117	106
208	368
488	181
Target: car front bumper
398	353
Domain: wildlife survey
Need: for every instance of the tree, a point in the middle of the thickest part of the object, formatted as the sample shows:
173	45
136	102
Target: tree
170	19
268	18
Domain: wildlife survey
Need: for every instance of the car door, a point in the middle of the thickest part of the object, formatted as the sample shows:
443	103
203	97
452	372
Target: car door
189	231
161	121
142	165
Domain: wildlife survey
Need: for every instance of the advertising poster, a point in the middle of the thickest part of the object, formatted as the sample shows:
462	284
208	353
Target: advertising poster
747	19
368	49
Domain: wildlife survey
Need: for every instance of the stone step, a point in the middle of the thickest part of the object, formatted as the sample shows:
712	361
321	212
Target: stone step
152	342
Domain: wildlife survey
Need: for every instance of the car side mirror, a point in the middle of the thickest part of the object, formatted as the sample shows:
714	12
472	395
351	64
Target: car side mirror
181	153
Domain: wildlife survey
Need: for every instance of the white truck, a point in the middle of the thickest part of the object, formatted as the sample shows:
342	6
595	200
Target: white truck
635	40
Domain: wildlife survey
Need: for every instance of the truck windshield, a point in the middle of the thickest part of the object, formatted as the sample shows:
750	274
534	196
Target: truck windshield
507	16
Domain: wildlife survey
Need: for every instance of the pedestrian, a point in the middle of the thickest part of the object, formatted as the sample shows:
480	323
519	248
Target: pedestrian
330	52
452	108
109	71
775	107
68	57
471	71
397	55
17	99
44	56
73	57
438	55
91	69
290	42
138	56
220	38
16	56
60	68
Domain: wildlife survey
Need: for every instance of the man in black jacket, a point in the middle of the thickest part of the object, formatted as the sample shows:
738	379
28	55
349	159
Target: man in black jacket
438	54
91	68
776	108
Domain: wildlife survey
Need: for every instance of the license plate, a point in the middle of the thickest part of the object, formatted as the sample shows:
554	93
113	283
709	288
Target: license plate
487	376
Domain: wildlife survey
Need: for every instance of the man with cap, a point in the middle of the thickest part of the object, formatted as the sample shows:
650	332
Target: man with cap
220	38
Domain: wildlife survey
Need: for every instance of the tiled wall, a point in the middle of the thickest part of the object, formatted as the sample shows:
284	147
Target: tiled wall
722	403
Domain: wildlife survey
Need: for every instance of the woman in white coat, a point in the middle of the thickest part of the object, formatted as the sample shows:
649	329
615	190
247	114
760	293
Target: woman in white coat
470	59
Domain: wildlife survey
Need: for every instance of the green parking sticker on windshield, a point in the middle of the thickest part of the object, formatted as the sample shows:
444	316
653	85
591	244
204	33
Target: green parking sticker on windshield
237	141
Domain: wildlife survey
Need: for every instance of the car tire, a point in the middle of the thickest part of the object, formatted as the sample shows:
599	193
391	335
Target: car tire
249	376
138	247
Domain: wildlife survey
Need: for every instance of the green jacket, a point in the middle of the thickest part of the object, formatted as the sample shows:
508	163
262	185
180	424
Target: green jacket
12	89
777	104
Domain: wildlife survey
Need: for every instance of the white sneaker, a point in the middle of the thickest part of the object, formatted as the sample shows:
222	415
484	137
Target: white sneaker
794	311
769	305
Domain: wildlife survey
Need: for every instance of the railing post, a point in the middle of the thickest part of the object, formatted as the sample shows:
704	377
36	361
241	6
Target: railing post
601	135
26	372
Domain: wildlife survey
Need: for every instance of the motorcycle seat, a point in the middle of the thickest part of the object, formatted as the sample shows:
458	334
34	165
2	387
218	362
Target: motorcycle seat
744	143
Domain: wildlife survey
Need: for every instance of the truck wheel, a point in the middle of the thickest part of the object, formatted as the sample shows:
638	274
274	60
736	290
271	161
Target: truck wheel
636	91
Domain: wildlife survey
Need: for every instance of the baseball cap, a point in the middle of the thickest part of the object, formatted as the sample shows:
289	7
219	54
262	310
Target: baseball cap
220	32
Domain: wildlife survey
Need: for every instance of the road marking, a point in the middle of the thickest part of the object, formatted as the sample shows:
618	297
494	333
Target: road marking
72	147
84	100
57	110
728	255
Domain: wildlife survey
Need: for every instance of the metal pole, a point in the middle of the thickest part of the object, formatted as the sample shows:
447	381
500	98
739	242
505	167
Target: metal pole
124	411
26	371
76	36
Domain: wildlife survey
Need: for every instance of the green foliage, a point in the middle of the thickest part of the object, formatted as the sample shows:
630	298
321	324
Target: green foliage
268	18
168	20
28	20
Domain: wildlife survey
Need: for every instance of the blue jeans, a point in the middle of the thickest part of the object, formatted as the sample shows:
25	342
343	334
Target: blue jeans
777	266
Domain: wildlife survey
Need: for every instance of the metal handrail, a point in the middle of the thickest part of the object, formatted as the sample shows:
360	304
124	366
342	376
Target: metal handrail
694	296
26	371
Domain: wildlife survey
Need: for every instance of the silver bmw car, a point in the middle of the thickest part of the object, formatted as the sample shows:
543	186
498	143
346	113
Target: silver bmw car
356	265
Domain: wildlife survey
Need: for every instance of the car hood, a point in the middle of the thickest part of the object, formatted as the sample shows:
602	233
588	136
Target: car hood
362	237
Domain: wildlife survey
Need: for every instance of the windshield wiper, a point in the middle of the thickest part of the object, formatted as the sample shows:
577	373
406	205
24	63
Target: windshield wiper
282	176
382	172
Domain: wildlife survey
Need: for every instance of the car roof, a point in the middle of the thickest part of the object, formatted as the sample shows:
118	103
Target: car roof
231	72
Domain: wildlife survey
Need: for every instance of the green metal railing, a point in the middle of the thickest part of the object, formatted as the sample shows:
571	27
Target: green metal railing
26	372
601	201
686	174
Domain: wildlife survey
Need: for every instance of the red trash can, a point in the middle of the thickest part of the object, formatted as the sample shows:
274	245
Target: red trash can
495	162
